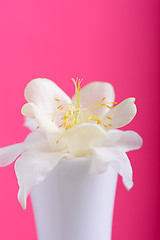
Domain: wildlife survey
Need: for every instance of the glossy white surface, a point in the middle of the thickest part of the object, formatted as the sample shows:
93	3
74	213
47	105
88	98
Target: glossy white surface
72	204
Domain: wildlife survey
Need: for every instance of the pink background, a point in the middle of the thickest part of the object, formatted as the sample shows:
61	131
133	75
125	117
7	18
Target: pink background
115	41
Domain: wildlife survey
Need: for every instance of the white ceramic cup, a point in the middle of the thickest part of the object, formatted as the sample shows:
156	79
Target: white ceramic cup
72	204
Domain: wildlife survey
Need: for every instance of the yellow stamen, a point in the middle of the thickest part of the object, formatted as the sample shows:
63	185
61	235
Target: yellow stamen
109	118
59	107
68	127
63	124
103	99
58	140
37	127
98	121
77	83
109	106
74	114
64	118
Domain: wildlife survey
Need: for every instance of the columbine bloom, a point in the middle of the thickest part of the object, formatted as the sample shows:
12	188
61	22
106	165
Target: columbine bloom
64	128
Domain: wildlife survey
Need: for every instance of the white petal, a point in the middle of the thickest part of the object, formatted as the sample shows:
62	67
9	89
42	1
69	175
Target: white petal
104	157
35	136
56	142
123	113
113	136
45	142
37	142
81	137
32	168
101	159
123	140
30	123
129	141
44	121
43	93
94	92
10	153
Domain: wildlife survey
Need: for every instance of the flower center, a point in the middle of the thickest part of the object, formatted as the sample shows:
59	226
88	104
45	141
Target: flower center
75	114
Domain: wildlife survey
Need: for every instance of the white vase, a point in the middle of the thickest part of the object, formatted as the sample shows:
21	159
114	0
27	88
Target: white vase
72	204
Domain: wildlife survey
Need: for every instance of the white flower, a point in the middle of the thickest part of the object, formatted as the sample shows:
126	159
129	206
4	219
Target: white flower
66	129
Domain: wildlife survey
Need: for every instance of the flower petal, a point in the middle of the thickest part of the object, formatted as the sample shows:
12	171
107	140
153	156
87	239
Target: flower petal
104	157
37	142
44	121
56	143
51	140
43	93
122	114
10	153
30	123
35	136
81	137
129	141
32	168
34	141
94	92
47	96
113	137
123	140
